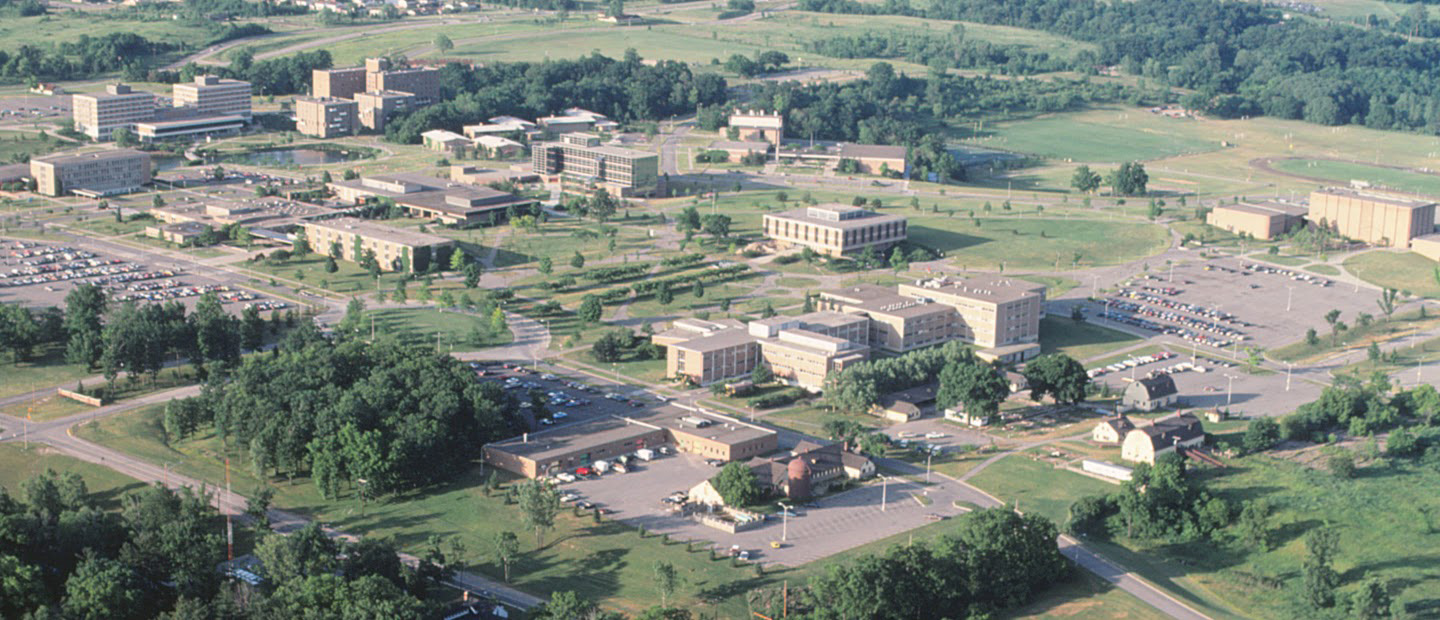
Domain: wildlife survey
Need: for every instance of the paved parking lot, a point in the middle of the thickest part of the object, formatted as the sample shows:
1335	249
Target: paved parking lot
831	525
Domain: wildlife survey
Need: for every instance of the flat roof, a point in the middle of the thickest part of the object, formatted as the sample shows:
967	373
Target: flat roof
1269	209
760	120
720	340
987	288
724	429
189	122
380	231
324	100
803	215
93	155
1386	198
751	145
872	150
878	299
570	438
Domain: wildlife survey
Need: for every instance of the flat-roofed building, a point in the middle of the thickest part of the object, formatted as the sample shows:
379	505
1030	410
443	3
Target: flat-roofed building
725	354
378	107
1427	246
501	126
338	83
189	128
182	233
835	229
496	147
758	126
800	350
994	311
326	117
1259	220
581	444
214	96
393	247
572	120
738	150
98	115
1373	217
433	198
876	158
580	162
421	82
898	323
475	175
99	173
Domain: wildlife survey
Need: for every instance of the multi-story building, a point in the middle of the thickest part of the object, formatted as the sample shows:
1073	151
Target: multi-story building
579	162
897	323
834	229
801	350
337	83
421	82
877	158
99	115
101	173
394	248
210	95
438	199
1373	217
1259	220
189	127
758	126
995	312
326	117
378	107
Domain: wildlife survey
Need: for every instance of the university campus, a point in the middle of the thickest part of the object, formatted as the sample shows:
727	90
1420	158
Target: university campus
557	309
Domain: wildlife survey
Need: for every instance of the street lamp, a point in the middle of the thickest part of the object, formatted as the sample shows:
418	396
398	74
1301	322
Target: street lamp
1288	367
1229	390
884	491
784	522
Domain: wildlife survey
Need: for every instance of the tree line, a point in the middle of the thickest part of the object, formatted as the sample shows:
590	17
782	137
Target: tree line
1239	58
943	52
624	90
63	555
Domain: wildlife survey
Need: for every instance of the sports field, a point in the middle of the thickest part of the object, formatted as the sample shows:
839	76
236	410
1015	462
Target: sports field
1037	243
1343	172
1083	140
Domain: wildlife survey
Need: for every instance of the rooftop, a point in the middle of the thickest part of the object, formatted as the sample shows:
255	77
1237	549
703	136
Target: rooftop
803	215
91	156
564	440
856	151
1268	208
380	231
735	145
995	289
756	119
443	135
1397	200
722	429
722	339
878	299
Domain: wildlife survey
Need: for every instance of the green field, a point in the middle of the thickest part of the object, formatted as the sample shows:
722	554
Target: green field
1081	340
15	145
1037	486
1403	271
46	369
1068	138
1030	243
18	464
1343	172
456	331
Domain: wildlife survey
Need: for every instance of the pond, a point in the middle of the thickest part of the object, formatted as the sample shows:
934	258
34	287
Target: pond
299	156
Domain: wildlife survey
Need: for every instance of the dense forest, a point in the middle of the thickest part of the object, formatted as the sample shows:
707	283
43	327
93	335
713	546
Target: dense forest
1241	58
624	90
951	51
62	555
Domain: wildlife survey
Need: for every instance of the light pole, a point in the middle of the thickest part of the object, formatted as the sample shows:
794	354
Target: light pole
884	491
1288	366
928	456
784	523
1289	294
1229	390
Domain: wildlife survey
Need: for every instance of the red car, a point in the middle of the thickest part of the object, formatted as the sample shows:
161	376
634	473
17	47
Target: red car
584	471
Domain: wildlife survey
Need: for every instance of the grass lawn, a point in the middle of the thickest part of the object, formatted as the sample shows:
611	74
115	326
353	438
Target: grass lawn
1082	340
1037	486
1055	286
1281	259
310	271
1032	243
1323	269
457	330
1356	336
17	143
18	464
48	407
1344	172
47	369
1070	138
107	226
1405	271
1086	597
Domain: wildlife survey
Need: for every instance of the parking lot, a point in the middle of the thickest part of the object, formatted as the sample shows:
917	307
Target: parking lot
559	392
825	527
43	273
34	107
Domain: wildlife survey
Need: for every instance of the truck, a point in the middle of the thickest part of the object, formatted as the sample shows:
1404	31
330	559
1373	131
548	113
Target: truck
601	466
645	454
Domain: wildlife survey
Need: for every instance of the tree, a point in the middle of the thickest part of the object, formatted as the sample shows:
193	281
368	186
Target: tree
472	274
1387	302
665	296
300	247
1059	376
761	374
610	346
1129	180
330	265
458	260
867	257
615	8
698	290
689	220
666	579
1261	435
124	137
1341	464
1320	580
104	589
578	260
1333	318
1254	524
546	265
716	225
736	485
497	321
505	545
1085	180
22	588
973	384
257	507
84	307
898	262
252	328
1371	601
590	310
443	43
539	503
305	553
565	605
1312	338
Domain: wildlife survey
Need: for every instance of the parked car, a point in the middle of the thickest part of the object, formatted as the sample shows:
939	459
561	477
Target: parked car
584	471
559	415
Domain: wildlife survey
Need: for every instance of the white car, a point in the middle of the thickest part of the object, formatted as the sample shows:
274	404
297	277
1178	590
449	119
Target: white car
565	476
559	415
934	435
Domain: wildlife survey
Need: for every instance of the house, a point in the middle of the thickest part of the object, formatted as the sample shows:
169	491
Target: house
496	147
810	470
1112	430
1017	382
1146	443
907	405
1151	393
446	141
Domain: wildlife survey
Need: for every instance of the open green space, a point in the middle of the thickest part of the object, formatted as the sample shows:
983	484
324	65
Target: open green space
107	226
1005	244
1082	340
1403	271
18	463
1071	139
47	368
46	30
17	145
452	331
1323	269
1343	172
1037	486
1356	336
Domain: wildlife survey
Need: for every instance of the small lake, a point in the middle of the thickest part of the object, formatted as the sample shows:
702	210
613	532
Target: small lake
299	156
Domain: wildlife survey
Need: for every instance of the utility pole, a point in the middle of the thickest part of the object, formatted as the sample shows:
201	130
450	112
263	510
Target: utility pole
229	526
